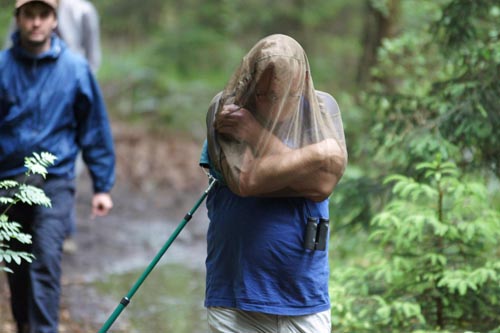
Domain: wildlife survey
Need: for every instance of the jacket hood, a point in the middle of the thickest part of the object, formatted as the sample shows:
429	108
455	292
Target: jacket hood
57	46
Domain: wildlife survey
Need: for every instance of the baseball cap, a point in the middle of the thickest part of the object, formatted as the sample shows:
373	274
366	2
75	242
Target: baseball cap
51	3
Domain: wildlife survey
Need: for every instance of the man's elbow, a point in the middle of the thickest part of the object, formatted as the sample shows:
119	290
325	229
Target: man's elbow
336	166
329	182
342	165
324	191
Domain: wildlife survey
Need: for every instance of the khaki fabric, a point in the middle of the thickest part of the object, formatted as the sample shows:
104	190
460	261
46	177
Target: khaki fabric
51	3
229	320
294	112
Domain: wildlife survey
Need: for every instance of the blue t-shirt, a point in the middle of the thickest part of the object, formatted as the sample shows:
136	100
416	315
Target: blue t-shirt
256	260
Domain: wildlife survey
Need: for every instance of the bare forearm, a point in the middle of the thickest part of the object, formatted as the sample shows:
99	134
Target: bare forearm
312	171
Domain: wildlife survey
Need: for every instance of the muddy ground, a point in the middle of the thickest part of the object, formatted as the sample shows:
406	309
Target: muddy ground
158	182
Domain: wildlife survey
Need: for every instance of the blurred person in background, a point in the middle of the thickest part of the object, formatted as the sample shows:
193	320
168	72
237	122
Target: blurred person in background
78	26
49	102
277	148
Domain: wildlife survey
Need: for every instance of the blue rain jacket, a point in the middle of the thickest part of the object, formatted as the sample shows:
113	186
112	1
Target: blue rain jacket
51	102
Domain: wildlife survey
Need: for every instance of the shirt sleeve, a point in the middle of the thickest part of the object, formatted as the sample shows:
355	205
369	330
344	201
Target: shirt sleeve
94	134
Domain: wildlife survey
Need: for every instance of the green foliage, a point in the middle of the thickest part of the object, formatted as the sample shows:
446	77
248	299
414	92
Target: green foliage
6	15
434	90
38	163
441	83
470	112
164	70
433	260
435	265
14	192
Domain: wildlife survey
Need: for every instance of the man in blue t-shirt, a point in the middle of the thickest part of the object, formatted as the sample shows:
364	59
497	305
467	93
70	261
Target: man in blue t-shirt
277	148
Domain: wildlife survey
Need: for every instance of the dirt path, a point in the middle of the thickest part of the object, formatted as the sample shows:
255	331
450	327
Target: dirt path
158	181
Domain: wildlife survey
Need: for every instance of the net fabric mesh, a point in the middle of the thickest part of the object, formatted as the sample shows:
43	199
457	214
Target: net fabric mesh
273	83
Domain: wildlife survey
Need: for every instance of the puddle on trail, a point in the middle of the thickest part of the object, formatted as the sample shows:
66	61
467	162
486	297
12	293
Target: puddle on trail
169	300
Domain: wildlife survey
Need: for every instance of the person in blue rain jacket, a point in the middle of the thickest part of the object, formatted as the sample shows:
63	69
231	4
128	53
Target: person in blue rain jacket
49	102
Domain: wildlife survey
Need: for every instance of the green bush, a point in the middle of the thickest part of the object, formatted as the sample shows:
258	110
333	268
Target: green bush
435	265
13	192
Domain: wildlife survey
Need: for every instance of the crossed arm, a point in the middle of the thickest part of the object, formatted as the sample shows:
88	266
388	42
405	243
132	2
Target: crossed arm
278	170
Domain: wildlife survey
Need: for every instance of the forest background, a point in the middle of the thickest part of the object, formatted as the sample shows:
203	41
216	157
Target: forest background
414	222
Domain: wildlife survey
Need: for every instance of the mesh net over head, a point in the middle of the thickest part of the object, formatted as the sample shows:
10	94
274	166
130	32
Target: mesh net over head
273	93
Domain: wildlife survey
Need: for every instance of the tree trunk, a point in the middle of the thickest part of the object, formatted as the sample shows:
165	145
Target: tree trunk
377	26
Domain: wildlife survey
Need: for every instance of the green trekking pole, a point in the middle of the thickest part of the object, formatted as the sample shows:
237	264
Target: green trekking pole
126	300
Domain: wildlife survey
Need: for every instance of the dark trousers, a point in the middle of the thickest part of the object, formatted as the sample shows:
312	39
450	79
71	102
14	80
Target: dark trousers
36	287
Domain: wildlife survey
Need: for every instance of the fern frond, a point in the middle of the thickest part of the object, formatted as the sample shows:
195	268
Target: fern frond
32	195
8	183
9	256
6	201
38	163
